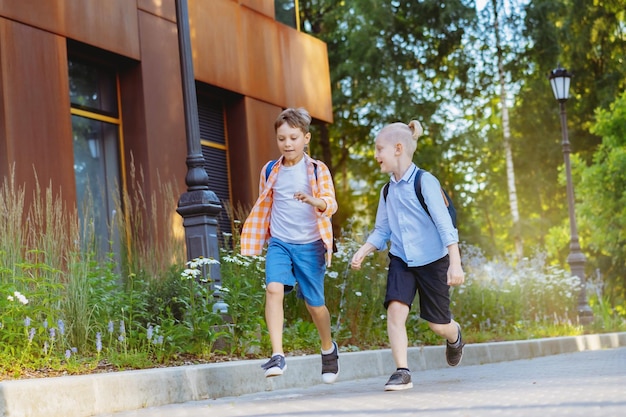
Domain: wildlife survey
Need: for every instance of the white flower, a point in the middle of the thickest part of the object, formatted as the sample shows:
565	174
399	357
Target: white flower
197	262
220	288
190	273
20	297
358	293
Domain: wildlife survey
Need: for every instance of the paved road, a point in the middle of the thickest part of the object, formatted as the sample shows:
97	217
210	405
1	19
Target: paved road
586	384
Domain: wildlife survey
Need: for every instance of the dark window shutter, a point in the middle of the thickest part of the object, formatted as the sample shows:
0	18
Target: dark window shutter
211	120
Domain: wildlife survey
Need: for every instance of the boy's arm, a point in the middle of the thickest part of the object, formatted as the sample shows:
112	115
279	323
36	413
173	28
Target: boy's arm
357	258
328	204
456	276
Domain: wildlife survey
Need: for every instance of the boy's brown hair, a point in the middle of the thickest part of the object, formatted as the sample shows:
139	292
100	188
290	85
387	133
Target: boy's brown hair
296	118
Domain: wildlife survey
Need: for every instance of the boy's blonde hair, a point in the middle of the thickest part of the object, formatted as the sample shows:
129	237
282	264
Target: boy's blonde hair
297	118
406	134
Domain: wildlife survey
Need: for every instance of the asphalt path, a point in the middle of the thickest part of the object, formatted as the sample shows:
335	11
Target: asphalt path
586	384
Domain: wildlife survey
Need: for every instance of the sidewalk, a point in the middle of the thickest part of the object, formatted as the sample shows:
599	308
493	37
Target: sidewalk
88	395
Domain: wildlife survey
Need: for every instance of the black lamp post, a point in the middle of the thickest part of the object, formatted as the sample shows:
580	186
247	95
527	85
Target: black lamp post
199	206
560	82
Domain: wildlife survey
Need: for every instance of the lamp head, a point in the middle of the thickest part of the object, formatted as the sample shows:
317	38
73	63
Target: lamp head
560	81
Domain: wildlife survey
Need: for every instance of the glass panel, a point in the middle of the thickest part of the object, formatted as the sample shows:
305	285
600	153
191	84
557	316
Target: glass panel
92	88
285	12
96	169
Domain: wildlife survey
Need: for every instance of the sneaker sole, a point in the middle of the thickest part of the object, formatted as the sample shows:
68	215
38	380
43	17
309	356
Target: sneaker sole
330	378
275	371
398	387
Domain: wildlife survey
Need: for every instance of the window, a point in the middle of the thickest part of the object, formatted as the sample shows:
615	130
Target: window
286	11
96	135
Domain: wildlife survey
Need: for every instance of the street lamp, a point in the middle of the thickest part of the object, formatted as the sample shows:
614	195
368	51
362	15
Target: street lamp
560	82
199	206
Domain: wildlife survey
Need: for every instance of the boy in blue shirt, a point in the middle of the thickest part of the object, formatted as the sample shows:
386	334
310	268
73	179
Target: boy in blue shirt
424	252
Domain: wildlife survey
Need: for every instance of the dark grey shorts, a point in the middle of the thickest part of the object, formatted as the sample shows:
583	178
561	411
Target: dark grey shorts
431	281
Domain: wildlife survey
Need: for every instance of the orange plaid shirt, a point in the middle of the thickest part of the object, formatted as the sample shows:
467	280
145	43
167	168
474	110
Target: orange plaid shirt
256	229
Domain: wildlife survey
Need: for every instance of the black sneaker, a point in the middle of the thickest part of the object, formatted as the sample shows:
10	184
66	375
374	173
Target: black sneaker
330	365
454	354
399	380
275	366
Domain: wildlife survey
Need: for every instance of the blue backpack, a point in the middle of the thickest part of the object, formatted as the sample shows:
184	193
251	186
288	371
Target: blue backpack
420	197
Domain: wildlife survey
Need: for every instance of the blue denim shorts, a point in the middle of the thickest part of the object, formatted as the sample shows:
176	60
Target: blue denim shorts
304	264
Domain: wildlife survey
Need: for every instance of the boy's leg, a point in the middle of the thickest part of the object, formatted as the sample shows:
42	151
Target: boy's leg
397	314
275	315
400	293
448	331
309	268
330	350
434	294
321	319
454	341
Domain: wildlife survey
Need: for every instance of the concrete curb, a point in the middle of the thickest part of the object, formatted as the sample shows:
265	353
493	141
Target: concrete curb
91	395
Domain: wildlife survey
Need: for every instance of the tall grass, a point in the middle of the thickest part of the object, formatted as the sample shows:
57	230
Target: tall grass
149	226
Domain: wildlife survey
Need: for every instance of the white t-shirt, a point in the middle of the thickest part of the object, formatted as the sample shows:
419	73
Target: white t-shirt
293	221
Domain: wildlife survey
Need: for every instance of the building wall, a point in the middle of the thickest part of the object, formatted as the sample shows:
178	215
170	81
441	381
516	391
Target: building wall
36	136
261	66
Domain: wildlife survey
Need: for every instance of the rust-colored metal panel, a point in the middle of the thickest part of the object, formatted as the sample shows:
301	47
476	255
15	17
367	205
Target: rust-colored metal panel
216	43
264	71
4	163
237	48
162	8
265	7
110	24
308	82
37	124
162	149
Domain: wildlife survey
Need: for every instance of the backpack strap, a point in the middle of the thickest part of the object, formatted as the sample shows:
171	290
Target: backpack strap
446	198
268	170
418	190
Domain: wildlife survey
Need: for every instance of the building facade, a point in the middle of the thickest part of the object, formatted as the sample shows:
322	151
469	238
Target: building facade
91	89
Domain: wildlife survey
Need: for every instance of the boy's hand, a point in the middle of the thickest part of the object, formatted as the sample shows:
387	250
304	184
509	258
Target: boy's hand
318	203
357	258
456	276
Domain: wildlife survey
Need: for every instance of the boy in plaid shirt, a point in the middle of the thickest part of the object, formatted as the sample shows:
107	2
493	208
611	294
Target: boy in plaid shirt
293	215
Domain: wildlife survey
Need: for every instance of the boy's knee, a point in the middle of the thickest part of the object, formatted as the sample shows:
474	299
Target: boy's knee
275	288
439	329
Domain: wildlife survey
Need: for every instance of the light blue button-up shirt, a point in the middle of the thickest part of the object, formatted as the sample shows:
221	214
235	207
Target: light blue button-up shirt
415	237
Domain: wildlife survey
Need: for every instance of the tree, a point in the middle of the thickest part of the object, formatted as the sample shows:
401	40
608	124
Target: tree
389	61
603	185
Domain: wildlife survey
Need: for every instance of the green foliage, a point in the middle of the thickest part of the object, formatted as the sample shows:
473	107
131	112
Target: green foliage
244	292
388	61
356	298
506	297
603	203
81	315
